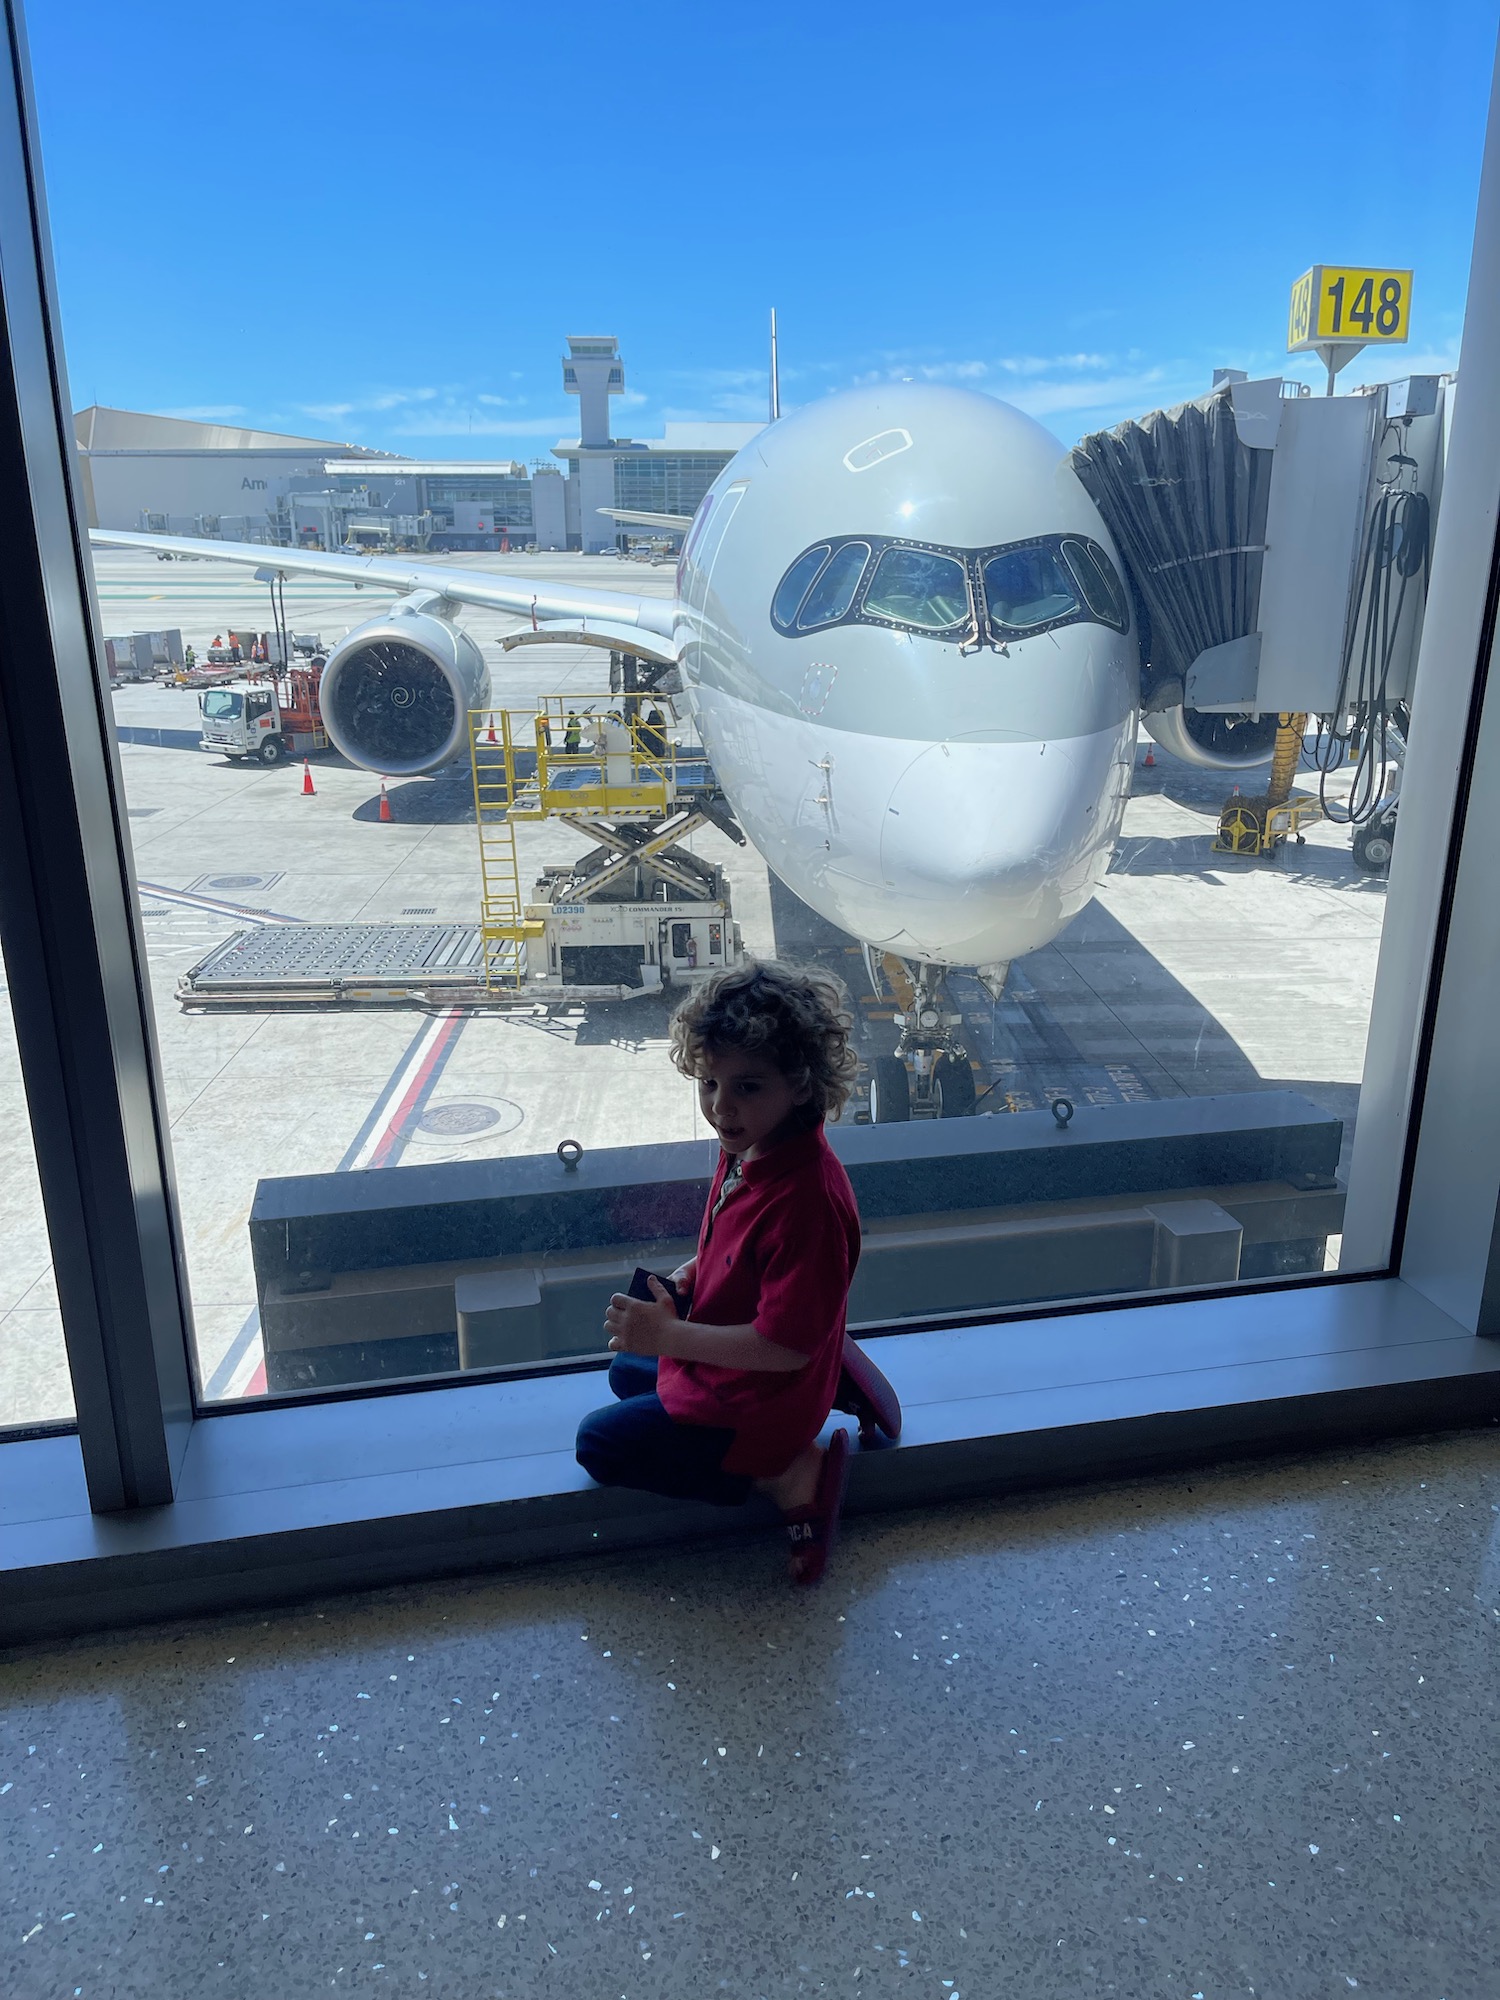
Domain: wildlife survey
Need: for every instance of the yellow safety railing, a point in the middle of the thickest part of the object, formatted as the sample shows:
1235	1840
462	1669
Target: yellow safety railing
597	755
504	926
592	756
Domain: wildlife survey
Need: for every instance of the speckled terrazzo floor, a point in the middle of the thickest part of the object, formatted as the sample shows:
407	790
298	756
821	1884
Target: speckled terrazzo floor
1218	1734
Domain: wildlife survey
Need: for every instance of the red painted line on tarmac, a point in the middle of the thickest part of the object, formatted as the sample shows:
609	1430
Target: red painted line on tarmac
395	1128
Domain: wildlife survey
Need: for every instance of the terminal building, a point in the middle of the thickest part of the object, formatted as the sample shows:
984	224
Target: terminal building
222	482
169	475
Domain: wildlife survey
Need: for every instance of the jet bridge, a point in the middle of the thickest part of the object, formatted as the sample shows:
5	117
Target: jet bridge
1278	545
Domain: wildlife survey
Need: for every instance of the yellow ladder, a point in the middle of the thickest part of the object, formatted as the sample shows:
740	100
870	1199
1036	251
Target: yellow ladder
504	926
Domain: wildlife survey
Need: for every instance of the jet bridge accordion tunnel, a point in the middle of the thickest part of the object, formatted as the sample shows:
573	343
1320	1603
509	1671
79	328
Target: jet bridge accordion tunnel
508	1264
1278	547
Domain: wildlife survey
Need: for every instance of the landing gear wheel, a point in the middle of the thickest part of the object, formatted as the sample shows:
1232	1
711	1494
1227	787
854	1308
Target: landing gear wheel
1374	844
272	751
890	1091
953	1087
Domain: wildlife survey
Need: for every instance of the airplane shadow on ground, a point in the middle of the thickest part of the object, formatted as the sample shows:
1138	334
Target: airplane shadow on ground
1094	1016
444	799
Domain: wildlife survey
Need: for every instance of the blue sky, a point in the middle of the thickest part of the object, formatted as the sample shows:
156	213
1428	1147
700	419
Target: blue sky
375	222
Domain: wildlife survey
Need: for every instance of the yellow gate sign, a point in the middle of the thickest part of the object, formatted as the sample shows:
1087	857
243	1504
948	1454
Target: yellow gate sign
1345	303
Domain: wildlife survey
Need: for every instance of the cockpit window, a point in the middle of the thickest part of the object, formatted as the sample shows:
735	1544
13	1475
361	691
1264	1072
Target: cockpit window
793	585
1029	586
918	587
1098	580
833	593
968	597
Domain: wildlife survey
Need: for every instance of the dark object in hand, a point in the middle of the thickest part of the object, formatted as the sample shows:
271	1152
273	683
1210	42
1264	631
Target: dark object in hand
639	1289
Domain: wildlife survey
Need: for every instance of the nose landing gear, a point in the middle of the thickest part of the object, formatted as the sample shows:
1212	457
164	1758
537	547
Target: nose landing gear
929	1075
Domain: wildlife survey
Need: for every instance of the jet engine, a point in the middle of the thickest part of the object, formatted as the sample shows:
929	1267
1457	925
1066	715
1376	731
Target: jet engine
1212	740
397	691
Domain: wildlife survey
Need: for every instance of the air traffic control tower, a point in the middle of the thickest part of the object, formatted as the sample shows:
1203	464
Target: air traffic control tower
665	475
593	372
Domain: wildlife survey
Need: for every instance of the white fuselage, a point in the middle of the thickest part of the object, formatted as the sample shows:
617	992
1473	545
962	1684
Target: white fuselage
951	797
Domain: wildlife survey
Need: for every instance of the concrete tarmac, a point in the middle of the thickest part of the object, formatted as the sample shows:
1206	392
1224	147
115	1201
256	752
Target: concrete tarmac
1190	974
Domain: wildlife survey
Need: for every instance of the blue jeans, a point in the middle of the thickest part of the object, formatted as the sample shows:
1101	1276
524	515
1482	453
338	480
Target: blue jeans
633	1442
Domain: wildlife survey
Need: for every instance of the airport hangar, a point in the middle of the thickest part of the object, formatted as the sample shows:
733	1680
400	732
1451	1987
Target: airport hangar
176	476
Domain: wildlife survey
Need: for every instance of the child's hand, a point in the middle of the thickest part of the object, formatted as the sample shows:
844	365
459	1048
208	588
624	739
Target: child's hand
684	1275
636	1327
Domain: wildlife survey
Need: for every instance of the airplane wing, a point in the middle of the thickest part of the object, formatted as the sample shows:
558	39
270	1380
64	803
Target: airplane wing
637	517
527	597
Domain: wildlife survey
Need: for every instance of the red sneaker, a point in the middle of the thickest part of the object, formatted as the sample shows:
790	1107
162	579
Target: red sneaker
864	1392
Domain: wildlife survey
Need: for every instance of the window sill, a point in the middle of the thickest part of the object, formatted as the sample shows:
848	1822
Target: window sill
286	1502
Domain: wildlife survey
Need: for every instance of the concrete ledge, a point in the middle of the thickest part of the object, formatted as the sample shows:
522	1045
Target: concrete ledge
280	1503
497	1208
355	1273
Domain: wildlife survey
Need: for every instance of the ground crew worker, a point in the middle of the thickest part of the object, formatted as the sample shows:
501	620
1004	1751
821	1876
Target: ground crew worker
653	734
190	659
572	735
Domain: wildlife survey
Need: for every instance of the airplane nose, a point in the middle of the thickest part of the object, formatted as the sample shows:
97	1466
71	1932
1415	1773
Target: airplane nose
987	848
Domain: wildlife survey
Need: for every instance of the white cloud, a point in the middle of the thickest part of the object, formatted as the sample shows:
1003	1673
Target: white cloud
1151	390
450	410
1093	388
1394	364
450	422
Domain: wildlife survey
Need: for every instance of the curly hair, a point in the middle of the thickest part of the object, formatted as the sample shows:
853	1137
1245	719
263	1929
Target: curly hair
797	1017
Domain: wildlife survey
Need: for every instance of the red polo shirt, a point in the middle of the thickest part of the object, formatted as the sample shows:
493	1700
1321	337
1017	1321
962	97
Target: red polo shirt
779	1256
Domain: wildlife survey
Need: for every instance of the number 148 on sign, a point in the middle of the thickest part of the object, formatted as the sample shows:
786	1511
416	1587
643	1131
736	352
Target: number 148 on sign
1343	302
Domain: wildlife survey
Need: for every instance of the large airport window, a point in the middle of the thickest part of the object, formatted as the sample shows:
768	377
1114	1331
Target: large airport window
918	587
415	897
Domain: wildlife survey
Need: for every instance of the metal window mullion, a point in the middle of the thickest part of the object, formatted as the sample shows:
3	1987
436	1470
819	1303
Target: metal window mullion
1425	1173
73	954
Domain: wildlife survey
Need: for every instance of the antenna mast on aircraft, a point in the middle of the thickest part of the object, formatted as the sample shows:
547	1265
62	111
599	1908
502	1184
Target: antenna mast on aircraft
775	372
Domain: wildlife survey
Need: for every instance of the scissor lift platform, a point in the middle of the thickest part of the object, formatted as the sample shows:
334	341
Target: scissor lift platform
635	912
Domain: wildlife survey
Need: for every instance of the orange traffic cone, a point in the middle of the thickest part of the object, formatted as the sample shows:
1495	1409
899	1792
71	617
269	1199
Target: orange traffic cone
309	790
491	737
386	814
1150	763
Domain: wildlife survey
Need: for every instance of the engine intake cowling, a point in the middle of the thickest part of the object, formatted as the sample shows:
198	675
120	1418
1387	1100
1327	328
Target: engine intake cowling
396	693
1211	740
